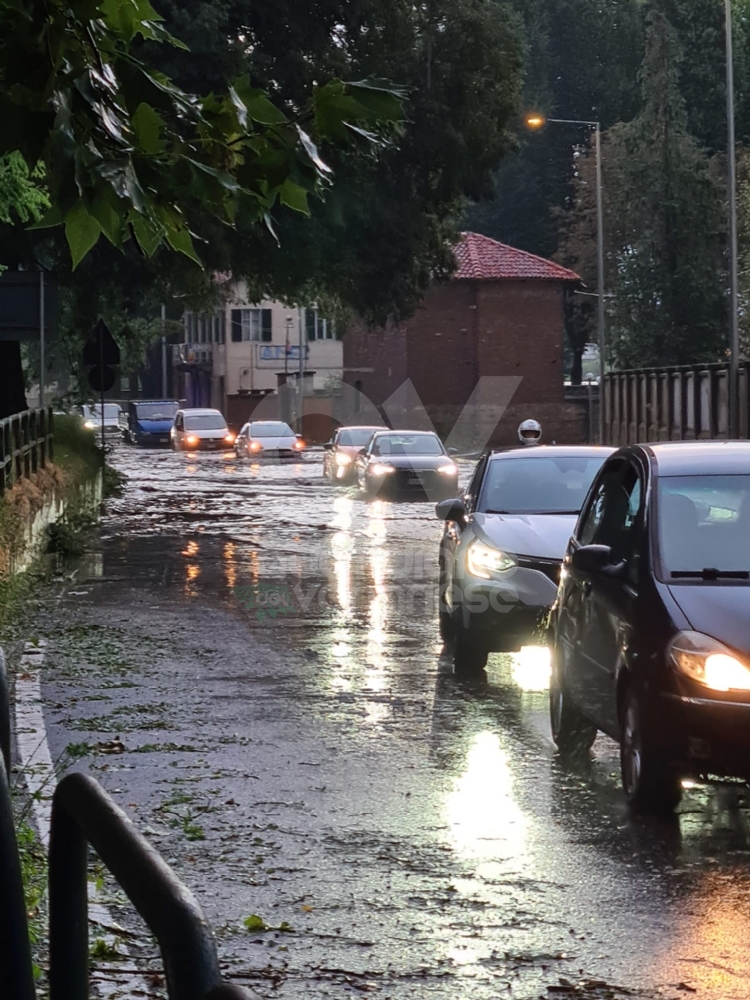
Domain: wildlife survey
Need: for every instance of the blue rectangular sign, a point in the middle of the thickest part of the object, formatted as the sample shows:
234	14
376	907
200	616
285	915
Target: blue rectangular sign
277	352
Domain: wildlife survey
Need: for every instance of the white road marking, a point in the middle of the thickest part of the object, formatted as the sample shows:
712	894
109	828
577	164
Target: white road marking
41	780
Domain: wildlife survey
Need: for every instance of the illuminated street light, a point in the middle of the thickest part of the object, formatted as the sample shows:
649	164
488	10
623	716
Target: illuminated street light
535	121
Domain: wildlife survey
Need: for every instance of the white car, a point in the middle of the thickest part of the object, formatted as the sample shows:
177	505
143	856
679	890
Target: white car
268	439
200	429
92	417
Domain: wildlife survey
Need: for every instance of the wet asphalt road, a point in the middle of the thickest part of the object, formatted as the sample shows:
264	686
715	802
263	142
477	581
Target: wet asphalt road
250	664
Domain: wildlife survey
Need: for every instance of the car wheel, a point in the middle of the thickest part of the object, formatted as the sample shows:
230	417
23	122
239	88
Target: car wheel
469	652
572	731
650	785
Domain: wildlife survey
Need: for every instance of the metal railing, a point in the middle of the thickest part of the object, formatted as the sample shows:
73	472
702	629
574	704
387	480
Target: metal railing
25	445
82	814
682	403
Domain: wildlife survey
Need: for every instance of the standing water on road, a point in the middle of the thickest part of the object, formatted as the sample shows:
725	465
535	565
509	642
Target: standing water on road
251	666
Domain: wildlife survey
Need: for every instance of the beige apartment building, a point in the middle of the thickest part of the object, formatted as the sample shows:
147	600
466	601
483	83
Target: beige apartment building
234	357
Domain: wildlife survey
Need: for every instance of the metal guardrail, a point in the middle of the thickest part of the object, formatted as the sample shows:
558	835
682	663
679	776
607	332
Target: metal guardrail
16	975
680	403
25	445
82	814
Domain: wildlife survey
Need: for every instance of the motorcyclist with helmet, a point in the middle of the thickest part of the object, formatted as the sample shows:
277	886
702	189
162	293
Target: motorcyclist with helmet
530	433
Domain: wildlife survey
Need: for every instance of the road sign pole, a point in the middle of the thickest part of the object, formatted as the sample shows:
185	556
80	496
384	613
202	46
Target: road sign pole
41	340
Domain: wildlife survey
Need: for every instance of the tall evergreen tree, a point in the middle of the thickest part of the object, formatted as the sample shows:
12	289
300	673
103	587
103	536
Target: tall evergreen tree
664	225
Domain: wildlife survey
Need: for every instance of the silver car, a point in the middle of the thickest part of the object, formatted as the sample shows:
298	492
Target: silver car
503	546
268	439
200	430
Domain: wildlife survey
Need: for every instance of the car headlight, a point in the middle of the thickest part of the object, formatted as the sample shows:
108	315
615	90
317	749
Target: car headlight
255	446
381	469
89	425
191	439
483	560
709	662
448	470
342	458
229	438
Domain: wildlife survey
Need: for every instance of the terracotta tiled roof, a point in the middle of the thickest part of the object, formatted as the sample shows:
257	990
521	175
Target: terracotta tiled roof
482	259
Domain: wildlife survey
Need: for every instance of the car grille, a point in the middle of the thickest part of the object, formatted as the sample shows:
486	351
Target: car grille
550	567
407	479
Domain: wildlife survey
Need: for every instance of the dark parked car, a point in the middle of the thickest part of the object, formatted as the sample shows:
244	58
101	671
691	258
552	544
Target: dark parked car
503	546
150	421
395	463
652	620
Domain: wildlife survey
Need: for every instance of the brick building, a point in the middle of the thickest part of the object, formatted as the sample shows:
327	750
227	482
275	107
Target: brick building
502	313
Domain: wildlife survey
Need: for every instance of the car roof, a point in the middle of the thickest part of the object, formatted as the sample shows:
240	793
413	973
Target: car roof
262	420
564	450
151	402
362	427
394	430
685	458
201	409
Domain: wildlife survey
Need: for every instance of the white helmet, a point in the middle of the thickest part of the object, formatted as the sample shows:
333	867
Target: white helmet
529	432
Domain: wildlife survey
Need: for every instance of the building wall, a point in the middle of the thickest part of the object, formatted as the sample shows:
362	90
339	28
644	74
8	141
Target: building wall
521	329
375	358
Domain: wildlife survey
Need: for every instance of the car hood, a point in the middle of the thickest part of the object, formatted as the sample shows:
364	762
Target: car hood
543	536
154	426
275	443
417	462
207	435
348	449
717	610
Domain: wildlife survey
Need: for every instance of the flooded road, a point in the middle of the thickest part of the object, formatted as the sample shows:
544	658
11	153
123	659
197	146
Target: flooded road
251	666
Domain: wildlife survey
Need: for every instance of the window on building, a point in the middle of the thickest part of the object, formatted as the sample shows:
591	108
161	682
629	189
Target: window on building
251	324
317	327
204	328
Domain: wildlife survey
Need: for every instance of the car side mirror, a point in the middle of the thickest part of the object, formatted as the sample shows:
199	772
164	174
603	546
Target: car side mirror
597	560
453	451
451	510
327	446
298	436
362	451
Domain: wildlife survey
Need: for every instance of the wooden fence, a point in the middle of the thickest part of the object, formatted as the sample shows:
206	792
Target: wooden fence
25	445
686	403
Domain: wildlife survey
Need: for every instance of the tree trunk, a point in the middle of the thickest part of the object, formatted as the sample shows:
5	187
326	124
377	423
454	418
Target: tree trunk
576	370
12	388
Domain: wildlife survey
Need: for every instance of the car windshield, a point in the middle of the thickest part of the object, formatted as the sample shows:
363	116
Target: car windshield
156	411
704	524
204	422
111	411
408	444
270	429
548	484
355	438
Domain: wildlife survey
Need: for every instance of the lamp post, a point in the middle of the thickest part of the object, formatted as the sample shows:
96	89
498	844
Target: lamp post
734	332
536	121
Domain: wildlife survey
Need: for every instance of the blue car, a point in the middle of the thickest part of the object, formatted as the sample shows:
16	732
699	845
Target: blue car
150	421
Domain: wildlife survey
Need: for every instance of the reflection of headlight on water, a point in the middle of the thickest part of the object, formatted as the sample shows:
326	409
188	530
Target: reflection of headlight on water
530	668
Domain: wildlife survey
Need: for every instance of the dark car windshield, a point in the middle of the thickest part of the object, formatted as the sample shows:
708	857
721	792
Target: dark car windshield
408	444
270	430
547	484
703	524
156	411
355	438
205	422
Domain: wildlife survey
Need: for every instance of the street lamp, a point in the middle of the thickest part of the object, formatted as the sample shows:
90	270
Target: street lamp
734	332
536	121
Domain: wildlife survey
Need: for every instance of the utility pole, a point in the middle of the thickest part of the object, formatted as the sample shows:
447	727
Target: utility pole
42	359
734	332
301	371
164	388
